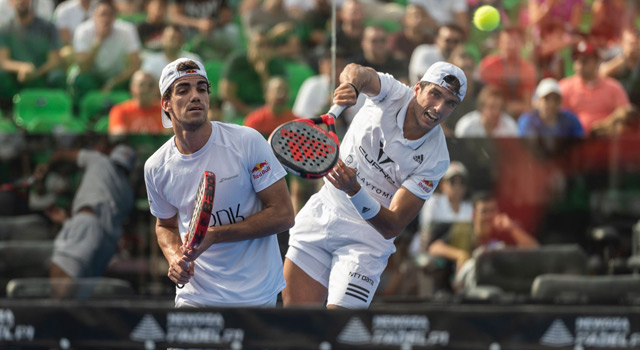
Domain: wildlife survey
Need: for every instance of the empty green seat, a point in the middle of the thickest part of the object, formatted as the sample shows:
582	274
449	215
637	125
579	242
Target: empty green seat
96	104
296	74
214	71
40	110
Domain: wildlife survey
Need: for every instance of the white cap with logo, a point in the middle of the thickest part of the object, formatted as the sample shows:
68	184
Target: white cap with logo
170	74
438	71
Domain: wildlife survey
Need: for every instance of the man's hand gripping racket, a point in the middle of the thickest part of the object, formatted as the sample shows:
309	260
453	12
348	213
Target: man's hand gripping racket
306	149
201	212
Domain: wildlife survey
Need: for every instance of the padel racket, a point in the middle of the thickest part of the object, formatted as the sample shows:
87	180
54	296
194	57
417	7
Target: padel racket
304	148
201	212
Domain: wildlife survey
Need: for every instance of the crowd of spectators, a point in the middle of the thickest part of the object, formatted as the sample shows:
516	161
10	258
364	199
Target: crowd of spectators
549	70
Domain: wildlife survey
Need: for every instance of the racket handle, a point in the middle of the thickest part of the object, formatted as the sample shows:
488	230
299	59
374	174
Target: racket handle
336	110
180	285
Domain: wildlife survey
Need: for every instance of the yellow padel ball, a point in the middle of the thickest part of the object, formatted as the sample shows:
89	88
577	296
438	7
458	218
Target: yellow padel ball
486	18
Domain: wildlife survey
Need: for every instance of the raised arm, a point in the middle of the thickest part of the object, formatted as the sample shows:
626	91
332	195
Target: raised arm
358	79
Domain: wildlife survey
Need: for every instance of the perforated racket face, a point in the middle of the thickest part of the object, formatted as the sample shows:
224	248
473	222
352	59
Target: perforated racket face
202	209
306	150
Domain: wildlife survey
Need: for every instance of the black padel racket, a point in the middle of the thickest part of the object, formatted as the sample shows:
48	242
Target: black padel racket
304	148
201	211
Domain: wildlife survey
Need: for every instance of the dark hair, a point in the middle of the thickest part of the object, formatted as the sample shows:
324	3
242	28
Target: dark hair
452	80
182	66
486	93
482	196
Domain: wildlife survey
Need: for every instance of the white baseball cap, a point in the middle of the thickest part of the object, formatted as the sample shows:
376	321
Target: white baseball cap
456	168
170	74
124	156
547	86
437	73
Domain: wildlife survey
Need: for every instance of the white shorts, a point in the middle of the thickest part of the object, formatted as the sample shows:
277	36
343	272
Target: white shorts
337	251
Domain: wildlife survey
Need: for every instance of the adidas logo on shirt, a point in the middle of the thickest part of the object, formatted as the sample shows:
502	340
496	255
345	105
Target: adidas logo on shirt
419	158
365	209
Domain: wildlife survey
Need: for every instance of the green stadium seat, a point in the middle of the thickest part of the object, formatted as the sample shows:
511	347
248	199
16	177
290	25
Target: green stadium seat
214	71
97	104
296	74
40	110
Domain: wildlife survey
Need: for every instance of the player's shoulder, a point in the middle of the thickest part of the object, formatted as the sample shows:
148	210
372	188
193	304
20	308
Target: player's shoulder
160	157
235	130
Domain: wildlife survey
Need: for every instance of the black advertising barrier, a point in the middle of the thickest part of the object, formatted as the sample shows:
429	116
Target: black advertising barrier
44	324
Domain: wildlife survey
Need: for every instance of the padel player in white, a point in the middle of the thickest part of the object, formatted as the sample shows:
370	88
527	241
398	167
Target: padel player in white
391	160
239	262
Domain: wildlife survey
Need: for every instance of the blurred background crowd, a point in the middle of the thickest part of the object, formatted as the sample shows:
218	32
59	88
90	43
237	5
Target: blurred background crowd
543	146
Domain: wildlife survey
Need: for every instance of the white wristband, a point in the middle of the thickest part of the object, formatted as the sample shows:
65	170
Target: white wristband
366	205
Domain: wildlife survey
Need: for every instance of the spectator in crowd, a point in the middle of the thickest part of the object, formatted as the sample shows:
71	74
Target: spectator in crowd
492	229
490	119
140	113
376	55
199	16
350	29
606	33
510	72
625	67
312	18
276	109
29	53
172	42
68	16
448	37
218	35
89	238
548	119
151	29
107	51
281	29
447	215
414	32
245	74
444	12
42	9
593	98
462	57
553	28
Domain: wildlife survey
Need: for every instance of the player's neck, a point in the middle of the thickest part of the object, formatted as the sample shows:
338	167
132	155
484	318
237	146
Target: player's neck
189	142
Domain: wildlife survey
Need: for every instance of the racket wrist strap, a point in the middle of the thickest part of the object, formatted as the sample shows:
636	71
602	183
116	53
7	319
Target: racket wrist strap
366	205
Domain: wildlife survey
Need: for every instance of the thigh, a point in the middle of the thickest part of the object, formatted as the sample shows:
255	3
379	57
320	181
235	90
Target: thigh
355	276
301	288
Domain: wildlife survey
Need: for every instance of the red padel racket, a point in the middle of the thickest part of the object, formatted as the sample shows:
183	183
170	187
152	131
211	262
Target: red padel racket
304	148
201	211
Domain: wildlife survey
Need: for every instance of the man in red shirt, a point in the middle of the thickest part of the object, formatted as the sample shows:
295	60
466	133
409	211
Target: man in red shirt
508	71
276	109
593	98
140	113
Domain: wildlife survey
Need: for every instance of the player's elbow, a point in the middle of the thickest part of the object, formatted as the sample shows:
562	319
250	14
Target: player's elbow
390	233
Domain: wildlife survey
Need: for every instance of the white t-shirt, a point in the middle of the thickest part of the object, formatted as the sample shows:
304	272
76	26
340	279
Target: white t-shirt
438	209
112	54
470	126
70	13
383	158
244	273
442	12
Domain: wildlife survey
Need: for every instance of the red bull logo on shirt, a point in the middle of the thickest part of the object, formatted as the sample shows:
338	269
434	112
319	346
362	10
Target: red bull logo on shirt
260	169
426	185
